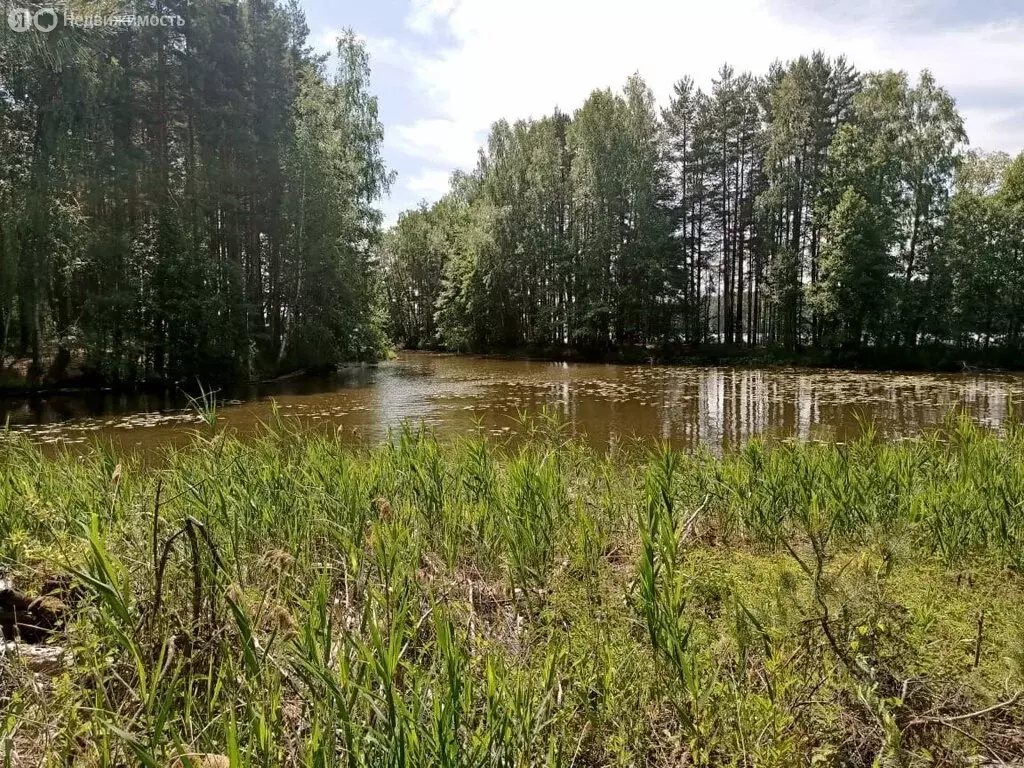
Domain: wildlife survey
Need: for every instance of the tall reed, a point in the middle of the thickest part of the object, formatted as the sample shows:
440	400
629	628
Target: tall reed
290	600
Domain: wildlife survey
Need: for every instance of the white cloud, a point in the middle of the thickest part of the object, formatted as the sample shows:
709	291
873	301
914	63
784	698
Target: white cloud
424	14
384	50
521	58
326	41
996	128
437	140
430	184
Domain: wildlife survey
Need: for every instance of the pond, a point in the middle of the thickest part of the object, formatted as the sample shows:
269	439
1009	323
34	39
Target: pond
717	407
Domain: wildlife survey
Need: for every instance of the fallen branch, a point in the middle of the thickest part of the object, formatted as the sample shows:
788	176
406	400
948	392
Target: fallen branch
948	720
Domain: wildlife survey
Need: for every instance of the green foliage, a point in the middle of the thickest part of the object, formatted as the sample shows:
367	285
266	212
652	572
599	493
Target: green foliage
291	600
854	288
187	199
813	206
557	238
982	255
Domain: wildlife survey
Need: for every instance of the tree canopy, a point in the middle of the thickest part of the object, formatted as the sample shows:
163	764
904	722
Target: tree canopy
192	198
200	199
813	206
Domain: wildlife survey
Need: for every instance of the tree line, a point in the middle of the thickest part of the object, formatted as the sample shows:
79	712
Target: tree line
186	199
813	206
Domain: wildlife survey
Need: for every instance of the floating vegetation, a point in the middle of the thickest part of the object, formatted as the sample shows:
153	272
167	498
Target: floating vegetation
714	407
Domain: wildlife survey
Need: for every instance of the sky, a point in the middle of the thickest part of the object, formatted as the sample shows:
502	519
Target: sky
445	70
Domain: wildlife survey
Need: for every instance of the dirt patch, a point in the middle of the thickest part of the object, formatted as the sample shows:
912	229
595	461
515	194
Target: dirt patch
32	619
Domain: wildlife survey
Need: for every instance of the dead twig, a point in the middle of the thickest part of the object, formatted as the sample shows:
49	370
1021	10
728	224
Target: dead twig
948	719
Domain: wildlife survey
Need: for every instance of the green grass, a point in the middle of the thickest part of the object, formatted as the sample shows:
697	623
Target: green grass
292	601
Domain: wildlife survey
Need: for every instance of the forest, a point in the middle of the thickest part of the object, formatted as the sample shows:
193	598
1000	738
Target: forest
813	207
178	200
203	200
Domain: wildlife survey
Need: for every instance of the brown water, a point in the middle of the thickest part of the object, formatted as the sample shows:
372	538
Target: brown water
716	407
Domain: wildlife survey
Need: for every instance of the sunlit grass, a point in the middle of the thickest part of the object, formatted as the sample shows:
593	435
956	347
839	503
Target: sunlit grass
292	601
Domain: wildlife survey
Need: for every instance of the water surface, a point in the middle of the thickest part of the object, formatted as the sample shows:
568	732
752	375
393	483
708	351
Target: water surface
717	407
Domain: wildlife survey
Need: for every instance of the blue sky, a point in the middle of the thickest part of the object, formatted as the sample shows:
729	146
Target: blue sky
444	70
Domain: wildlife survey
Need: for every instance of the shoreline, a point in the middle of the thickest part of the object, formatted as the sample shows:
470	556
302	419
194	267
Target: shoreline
86	384
880	361
924	360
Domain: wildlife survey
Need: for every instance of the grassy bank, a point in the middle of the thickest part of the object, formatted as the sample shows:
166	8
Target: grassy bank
291	601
